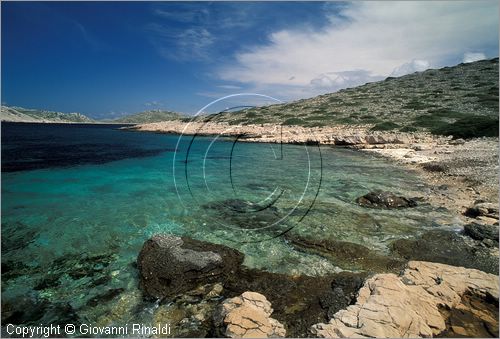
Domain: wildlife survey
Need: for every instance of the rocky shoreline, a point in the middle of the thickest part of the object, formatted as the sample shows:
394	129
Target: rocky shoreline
206	291
449	286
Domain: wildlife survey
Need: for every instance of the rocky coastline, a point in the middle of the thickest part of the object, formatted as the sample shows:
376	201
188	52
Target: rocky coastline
452	290
227	299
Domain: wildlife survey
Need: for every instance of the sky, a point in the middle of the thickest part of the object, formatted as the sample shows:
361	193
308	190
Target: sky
108	59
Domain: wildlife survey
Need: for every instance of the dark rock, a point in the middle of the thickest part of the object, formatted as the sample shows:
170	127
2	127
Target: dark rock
345	286
489	243
477	318
346	254
481	231
170	265
446	247
49	281
31	310
296	300
482	209
383	199
434	166
244	214
105	297
16	236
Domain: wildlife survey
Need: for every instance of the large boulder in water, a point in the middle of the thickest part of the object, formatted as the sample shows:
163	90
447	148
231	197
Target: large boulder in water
171	265
384	199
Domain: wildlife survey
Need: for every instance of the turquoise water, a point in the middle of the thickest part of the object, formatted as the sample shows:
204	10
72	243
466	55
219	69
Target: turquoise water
77	209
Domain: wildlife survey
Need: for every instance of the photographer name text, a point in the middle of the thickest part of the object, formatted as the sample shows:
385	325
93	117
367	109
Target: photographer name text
139	330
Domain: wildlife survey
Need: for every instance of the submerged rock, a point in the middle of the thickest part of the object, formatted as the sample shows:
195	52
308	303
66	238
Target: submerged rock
346	254
412	305
248	316
244	214
482	232
170	265
446	247
298	301
384	199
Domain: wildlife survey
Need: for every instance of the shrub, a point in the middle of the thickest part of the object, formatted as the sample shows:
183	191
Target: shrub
428	121
369	119
445	112
293	121
408	129
470	127
415	105
385	126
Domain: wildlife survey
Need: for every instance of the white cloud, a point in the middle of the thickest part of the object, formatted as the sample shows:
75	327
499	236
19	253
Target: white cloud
374	39
471	57
230	87
411	67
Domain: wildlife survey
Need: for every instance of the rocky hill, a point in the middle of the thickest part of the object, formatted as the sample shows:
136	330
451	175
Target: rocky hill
148	117
461	101
19	114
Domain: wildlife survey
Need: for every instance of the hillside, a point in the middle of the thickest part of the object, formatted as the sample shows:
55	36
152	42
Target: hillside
443	101
147	117
19	114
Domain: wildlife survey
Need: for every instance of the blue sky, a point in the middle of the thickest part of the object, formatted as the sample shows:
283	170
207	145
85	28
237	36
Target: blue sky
115	58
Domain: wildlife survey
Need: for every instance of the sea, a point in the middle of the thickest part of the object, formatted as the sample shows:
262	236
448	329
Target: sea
79	200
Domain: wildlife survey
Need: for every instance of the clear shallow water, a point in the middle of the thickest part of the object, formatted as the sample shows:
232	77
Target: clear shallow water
72	192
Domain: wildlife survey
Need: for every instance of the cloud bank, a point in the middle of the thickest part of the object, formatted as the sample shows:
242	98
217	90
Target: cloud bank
367	41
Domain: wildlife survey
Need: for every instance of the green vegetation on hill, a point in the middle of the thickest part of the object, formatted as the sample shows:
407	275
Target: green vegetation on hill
461	101
147	117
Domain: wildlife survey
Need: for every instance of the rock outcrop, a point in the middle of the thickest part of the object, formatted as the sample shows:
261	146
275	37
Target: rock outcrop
357	135
170	265
248	316
418	304
485	209
383	199
481	231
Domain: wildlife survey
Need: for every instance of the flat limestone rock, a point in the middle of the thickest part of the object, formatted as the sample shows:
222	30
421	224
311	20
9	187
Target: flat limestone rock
412	304
248	316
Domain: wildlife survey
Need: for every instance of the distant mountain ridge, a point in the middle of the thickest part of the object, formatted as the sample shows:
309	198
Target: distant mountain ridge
20	114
